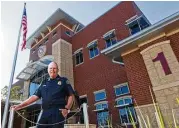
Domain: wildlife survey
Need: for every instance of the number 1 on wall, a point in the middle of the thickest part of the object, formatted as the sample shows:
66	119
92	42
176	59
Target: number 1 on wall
160	57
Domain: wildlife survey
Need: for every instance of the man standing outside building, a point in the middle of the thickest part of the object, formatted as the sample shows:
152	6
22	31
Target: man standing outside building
57	98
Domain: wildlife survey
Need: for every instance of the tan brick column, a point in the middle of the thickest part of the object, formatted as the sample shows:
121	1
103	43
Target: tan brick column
62	52
144	113
26	89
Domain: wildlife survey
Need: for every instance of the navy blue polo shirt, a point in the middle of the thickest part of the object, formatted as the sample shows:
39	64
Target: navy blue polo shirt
54	92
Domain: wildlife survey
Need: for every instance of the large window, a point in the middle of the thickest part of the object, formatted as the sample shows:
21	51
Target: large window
110	38
101	95
93	49
36	81
122	89
102	114
124	101
101	108
32	88
137	24
124	104
126	110
78	57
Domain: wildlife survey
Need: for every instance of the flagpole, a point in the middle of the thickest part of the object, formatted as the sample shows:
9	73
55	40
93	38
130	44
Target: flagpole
5	114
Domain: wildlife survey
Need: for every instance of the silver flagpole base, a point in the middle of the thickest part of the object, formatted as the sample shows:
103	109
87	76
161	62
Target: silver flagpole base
11	118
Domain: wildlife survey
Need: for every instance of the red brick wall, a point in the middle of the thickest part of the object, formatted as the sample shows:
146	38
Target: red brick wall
106	76
34	56
100	73
175	44
64	36
138	78
114	18
51	39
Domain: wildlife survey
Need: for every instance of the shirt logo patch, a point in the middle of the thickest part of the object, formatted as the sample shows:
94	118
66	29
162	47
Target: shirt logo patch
59	83
43	85
67	82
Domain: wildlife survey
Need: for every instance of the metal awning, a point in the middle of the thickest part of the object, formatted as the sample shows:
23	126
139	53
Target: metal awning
33	68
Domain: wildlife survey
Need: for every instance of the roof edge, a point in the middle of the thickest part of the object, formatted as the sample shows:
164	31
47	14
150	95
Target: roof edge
99	17
33	34
162	23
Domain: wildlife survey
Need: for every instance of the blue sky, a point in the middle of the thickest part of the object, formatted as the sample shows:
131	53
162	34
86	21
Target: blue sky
38	12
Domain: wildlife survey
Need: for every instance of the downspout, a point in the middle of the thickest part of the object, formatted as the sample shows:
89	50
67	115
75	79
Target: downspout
117	62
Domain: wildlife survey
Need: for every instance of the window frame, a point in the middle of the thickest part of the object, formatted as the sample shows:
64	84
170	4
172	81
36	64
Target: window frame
101	103
145	19
123	98
93	44
107	34
75	53
84	96
136	18
32	88
126	110
121	85
138	26
96	92
110	42
102	110
135	115
93	52
103	118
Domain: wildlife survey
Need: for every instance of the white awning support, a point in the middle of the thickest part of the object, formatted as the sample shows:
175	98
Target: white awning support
109	33
92	43
86	117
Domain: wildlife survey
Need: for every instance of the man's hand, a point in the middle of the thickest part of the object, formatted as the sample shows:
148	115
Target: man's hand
68	106
30	100
64	112
15	107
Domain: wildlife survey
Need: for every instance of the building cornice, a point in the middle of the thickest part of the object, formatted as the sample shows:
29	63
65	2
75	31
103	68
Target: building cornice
149	32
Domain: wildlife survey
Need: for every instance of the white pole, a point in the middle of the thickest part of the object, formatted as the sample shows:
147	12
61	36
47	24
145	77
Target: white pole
85	112
11	79
11	119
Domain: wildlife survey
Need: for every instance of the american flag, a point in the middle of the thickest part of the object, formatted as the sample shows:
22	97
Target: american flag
24	27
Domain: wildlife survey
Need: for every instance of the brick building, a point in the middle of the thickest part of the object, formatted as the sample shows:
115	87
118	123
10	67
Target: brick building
106	77
151	60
